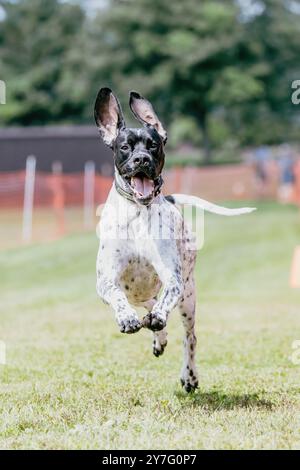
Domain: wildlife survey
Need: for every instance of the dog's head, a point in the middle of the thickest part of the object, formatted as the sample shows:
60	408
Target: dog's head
138	153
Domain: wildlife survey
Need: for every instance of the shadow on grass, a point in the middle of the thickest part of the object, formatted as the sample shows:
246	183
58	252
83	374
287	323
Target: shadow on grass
218	400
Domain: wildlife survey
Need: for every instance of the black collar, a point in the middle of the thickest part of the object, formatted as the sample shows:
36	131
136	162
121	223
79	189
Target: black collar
158	182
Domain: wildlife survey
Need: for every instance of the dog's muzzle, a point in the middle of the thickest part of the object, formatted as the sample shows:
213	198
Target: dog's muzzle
139	187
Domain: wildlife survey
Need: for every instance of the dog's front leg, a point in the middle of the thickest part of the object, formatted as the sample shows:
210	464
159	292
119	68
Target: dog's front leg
170	296
113	295
168	269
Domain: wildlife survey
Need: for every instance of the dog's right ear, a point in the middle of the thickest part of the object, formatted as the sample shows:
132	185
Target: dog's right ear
144	112
108	115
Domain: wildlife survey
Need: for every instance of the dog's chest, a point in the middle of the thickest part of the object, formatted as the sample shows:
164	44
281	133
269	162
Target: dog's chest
141	238
139	280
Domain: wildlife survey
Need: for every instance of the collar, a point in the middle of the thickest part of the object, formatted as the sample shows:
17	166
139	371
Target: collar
128	194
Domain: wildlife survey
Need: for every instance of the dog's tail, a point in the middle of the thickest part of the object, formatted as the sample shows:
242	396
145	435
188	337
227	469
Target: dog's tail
207	206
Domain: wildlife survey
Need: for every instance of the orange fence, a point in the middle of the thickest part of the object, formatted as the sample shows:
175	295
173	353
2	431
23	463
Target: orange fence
49	188
224	182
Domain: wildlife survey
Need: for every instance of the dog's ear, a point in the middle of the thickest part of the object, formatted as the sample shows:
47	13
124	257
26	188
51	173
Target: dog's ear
145	113
108	115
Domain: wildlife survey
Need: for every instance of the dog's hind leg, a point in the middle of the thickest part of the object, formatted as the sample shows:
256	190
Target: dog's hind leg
189	376
159	342
159	337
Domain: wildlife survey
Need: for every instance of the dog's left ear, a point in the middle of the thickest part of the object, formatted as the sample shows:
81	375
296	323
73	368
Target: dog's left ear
108	115
144	112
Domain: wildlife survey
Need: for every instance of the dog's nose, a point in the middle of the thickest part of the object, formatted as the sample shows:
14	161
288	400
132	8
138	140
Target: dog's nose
142	160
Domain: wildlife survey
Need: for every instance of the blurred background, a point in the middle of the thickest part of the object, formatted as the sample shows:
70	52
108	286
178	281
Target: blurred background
219	74
224	79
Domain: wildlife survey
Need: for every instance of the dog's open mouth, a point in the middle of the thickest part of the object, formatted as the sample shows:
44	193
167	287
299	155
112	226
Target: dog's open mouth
142	186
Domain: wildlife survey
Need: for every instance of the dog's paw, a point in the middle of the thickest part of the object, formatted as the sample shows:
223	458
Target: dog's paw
158	347
158	350
189	380
129	324
154	322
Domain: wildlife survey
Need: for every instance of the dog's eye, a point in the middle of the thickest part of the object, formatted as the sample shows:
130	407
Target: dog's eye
125	147
153	145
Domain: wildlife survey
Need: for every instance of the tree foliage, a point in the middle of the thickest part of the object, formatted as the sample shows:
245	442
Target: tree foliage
212	61
36	38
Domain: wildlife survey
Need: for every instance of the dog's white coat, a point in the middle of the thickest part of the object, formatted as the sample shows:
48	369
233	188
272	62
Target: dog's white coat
137	269
136	265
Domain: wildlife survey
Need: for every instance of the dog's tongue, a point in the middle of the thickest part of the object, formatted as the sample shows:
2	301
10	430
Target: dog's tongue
143	186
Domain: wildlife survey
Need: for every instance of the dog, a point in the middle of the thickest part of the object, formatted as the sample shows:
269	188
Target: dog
155	272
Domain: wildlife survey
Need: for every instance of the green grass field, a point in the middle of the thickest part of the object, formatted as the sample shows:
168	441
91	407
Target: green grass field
72	381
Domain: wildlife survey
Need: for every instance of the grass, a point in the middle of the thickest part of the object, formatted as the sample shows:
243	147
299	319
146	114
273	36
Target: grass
44	225
72	381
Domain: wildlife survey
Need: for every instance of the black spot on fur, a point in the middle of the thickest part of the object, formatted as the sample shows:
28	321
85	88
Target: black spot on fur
170	199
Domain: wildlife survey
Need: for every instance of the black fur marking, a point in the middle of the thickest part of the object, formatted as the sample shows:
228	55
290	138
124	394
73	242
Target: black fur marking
170	199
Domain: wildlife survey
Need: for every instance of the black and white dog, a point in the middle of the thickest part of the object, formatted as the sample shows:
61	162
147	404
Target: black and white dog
136	265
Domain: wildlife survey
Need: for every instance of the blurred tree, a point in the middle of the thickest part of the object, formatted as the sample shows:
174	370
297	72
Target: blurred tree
272	42
35	39
185	56
226	66
192	58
